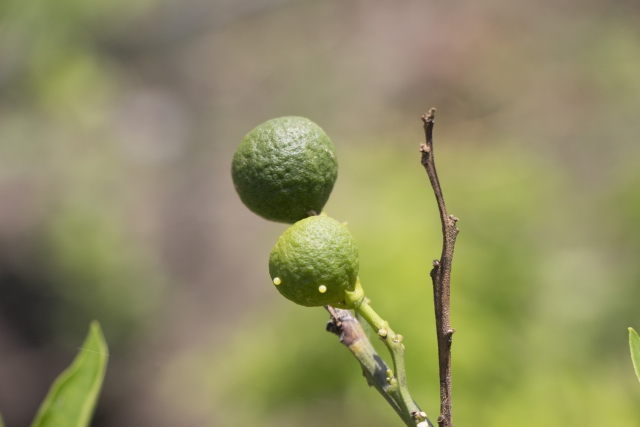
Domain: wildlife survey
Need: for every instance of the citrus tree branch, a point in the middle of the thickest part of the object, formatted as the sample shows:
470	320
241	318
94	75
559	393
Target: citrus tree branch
375	370
398	379
441	275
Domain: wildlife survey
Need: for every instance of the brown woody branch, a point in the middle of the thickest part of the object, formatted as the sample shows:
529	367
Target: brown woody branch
441	275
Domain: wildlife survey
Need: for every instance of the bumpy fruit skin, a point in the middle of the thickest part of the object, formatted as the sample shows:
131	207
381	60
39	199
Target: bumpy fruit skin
317	251
284	169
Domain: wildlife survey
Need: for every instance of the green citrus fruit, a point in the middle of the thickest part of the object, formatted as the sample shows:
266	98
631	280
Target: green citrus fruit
314	262
284	169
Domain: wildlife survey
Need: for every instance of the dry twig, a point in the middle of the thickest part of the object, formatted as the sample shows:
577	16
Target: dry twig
441	275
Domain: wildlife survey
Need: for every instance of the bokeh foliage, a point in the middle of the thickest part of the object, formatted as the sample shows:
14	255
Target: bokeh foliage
118	120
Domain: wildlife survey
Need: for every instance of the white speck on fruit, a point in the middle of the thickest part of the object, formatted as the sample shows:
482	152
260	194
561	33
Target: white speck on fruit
322	289
277	281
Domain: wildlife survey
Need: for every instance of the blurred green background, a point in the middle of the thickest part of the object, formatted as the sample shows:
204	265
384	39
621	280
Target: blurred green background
118	120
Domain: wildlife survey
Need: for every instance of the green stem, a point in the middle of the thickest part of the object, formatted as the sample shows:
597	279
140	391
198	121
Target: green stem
352	335
394	344
373	367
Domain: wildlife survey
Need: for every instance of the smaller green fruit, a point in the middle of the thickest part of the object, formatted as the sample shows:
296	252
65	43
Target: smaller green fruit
315	262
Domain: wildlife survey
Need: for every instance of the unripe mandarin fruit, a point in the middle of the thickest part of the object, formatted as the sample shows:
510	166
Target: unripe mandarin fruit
314	262
284	169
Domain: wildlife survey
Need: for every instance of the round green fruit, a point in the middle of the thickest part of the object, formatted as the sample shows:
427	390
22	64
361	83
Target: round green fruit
284	169
315	262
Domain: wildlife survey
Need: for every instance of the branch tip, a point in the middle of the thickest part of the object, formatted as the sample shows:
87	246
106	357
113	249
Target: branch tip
430	116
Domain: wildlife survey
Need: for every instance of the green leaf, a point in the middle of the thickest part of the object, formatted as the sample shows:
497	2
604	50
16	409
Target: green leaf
634	344
74	393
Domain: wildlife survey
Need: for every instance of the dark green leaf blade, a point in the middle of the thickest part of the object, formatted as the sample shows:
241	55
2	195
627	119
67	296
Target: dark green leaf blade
634	344
73	395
